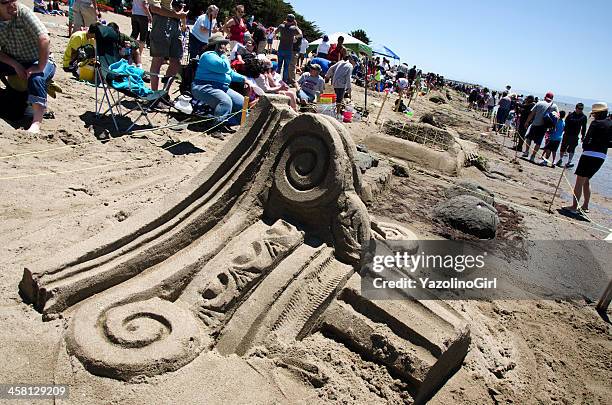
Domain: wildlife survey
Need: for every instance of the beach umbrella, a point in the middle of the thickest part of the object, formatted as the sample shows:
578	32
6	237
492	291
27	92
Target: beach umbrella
383	50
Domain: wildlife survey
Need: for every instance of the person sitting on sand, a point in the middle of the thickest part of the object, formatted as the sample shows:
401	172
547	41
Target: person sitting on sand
129	47
54	8
270	82
39	7
211	84
77	41
310	84
595	150
553	141
24	45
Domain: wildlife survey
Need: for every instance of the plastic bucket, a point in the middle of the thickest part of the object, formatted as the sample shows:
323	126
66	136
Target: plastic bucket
347	116
86	72
331	96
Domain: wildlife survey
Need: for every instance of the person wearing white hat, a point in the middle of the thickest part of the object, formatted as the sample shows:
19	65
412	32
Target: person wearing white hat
595	150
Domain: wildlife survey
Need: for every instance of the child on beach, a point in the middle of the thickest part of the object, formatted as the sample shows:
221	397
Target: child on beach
553	141
310	84
269	39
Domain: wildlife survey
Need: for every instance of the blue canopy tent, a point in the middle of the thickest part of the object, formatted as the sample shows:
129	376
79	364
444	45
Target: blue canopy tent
384	51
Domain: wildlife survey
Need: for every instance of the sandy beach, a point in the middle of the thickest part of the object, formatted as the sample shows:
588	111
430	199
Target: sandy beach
66	185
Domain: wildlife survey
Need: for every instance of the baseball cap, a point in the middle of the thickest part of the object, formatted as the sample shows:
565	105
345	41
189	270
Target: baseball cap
315	66
549	95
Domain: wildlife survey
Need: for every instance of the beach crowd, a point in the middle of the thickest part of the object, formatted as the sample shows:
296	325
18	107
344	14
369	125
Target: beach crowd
225	64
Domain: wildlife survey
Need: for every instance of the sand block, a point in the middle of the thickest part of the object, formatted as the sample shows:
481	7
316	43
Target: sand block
423	341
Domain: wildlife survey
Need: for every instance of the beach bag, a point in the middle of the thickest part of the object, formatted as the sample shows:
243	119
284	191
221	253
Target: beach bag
550	119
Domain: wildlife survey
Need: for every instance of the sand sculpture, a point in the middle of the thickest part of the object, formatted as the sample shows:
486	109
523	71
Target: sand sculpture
260	249
424	144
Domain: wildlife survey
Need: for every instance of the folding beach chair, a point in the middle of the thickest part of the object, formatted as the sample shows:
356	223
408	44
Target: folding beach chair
107	53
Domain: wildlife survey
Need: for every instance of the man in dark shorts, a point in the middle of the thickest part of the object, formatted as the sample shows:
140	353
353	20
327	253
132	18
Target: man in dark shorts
538	126
166	38
575	124
141	17
595	150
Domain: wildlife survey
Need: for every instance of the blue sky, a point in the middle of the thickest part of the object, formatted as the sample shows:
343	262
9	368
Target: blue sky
564	46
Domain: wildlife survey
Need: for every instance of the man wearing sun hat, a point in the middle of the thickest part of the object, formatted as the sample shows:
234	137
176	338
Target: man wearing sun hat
538	125
595	150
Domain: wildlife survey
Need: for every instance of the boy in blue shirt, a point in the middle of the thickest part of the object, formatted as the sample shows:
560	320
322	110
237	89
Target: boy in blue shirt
554	140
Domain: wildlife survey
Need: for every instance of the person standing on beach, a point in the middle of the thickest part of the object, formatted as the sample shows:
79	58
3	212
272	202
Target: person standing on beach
202	29
503	109
341	73
236	27
412	72
323	48
337	52
575	124
288	31
84	13
553	141
539	126
595	150
141	18
524	111
303	49
165	39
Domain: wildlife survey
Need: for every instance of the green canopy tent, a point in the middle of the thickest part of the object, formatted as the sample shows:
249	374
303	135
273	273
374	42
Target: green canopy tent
350	42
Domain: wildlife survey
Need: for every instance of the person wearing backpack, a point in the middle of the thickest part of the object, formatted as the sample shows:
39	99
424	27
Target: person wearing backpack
554	140
541	118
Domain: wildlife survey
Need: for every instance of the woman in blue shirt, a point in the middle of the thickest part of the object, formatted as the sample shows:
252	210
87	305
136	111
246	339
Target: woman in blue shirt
212	82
